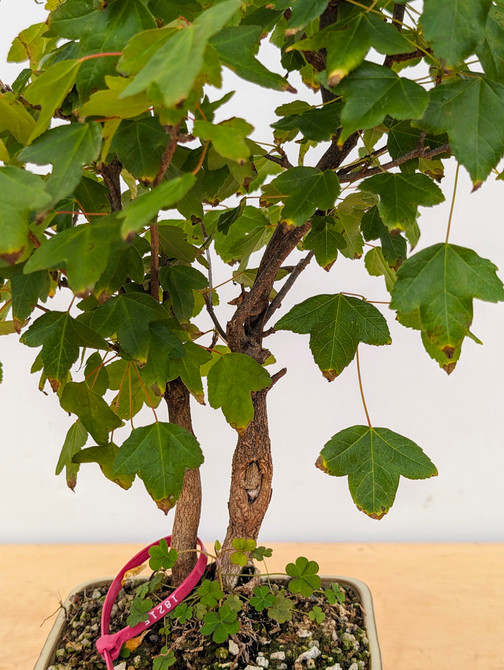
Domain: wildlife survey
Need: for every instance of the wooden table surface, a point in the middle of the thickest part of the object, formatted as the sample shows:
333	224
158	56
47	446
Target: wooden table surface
437	606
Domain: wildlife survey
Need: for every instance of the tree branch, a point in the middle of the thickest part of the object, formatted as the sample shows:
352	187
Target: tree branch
278	299
416	153
279	160
245	329
111	173
335	155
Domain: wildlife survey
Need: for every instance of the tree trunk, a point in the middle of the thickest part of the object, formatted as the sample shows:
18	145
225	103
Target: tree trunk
188	508
250	491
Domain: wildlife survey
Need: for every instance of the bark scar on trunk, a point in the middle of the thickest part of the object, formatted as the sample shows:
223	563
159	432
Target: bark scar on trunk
252	481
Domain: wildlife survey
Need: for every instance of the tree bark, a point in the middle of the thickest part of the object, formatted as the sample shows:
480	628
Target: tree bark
250	491
188	508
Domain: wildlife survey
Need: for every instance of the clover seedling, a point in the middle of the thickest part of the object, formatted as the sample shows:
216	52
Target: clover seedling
304	573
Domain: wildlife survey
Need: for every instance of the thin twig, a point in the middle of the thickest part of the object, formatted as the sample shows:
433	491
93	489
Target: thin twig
361	161
278	299
209	294
278	375
448	228
361	389
167	155
154	234
397	21
154	268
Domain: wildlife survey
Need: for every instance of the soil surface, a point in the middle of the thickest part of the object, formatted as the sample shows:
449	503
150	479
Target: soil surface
338	643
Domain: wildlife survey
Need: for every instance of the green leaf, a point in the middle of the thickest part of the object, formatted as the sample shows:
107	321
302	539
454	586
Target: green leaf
229	216
163	348
325	240
159	454
107	29
124	376
96	375
281	610
304	11
305	579
165	660
139	144
372	92
180	281
143	209
403	138
106	102
15	118
454	27
68	148
60	336
348	225
183	613
172	70
335	594
305	189
260	553
27	290
377	266
336	324
104	456
237	47
49	90
188	368
249	232
230	383
262	598
94	413
75	439
128	263
439	284
161	557
243	547
141	47
210	592
467	109
491	51
30	44
348	41
394	246
83	251
20	193
401	195
220	624
317	124
316	614
228	137
140	608
173	243
128	316
374	459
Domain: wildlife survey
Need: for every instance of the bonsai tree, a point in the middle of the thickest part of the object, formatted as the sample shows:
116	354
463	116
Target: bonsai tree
151	186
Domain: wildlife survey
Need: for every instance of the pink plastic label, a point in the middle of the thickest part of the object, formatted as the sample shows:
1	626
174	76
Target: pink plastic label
109	646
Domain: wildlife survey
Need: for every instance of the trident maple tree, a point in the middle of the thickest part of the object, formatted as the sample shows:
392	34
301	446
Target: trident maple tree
146	189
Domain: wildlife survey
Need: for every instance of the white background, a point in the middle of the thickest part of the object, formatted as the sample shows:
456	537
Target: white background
457	420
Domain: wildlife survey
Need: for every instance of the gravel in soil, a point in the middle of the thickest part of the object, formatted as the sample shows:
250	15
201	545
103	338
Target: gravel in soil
338	643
